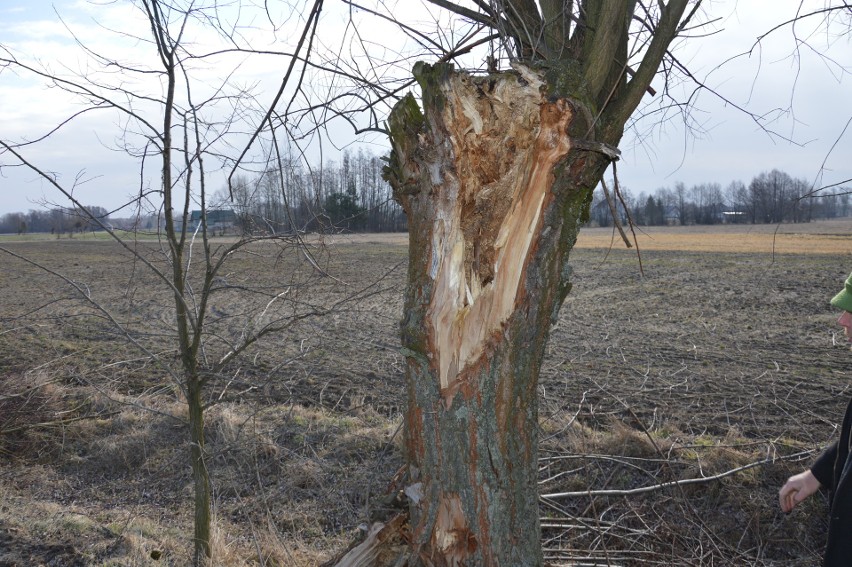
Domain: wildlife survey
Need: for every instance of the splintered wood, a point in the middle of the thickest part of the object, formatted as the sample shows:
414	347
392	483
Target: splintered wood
506	139
451	536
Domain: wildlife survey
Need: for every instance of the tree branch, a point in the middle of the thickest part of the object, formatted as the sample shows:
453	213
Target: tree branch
675	483
464	12
609	38
624	105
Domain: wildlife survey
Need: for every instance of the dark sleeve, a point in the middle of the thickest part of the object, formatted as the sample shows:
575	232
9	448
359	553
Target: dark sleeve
823	467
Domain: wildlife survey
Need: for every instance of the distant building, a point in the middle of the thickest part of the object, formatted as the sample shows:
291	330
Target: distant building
671	215
733	217
218	220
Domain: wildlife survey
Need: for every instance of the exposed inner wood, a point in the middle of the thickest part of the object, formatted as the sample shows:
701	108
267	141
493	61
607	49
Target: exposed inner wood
506	139
451	535
383	545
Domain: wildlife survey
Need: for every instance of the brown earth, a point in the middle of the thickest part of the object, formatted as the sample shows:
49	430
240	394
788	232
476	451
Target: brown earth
720	354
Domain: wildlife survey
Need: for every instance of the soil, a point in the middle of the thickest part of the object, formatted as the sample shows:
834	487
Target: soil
722	364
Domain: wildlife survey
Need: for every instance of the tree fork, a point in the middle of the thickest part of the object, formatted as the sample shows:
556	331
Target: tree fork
495	190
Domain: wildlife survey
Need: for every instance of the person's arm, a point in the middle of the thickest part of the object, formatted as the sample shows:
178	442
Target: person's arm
823	467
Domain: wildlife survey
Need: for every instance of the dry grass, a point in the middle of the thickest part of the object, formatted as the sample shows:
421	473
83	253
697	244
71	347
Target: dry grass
288	483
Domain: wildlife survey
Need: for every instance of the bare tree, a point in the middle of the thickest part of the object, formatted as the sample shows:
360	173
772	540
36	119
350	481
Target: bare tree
182	127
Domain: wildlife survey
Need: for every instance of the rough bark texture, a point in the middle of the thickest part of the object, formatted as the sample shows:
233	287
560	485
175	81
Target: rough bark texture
494	177
200	477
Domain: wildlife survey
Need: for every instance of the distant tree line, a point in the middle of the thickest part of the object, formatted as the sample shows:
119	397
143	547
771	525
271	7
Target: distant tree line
772	197
347	195
57	221
350	195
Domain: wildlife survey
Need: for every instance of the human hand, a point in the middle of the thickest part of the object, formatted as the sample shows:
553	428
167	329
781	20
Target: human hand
796	489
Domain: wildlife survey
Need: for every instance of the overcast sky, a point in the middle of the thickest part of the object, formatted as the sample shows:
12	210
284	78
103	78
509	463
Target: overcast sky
802	94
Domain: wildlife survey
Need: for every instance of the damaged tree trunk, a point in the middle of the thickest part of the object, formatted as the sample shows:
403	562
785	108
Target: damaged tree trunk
495	176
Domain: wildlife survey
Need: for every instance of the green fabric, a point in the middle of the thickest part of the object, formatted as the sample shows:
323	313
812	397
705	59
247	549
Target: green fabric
843	300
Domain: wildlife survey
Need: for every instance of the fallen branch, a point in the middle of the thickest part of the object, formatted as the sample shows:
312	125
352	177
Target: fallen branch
384	546
663	485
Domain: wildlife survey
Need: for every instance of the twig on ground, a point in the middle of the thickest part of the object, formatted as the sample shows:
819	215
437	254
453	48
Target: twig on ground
683	482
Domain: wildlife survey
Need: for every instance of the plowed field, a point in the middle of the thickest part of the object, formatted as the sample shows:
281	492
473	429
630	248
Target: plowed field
712	356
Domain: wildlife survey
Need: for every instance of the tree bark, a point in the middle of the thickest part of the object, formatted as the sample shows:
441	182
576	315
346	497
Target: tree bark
495	177
200	476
